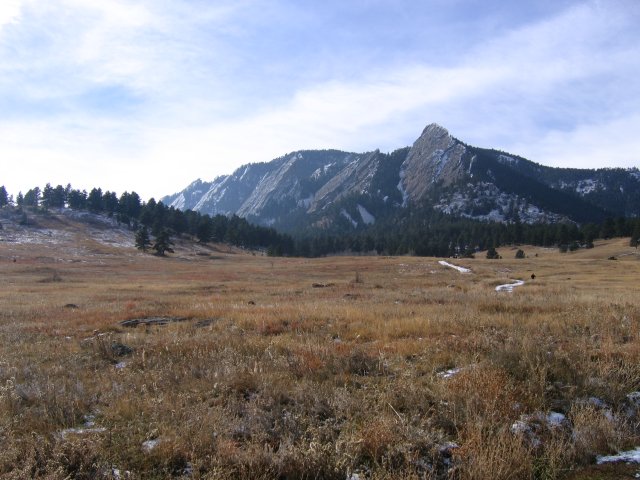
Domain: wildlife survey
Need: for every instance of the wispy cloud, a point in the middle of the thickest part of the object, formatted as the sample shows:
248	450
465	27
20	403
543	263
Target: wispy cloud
148	95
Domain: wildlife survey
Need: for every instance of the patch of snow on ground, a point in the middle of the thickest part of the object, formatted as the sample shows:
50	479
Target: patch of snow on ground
449	373
460	269
631	456
555	419
150	444
508	287
528	425
345	214
88	427
367	218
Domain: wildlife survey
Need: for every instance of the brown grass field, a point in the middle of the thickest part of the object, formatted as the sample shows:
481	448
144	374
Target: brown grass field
332	368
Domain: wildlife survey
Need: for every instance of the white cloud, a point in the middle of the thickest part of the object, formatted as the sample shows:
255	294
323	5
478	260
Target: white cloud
9	11
609	143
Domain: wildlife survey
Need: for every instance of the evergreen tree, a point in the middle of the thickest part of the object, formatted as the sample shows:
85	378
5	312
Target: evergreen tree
20	200
608	228
492	254
4	197
163	243
143	242
58	197
520	253
110	203
77	199
635	235
94	200
32	197
205	229
47	193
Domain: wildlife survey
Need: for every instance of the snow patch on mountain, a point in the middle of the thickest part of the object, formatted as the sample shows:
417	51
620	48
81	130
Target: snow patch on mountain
587	186
401	189
215	193
367	218
484	201
246	169
346	215
305	202
179	202
507	160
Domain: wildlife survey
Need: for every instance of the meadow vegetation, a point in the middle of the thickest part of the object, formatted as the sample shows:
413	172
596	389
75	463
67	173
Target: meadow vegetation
342	367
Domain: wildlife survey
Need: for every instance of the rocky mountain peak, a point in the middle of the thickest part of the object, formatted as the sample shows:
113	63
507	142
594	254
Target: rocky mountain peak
435	157
434	130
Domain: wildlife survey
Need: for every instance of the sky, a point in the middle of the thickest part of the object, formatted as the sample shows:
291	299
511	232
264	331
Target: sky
148	95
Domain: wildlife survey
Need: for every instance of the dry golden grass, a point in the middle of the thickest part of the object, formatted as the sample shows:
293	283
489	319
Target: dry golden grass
284	379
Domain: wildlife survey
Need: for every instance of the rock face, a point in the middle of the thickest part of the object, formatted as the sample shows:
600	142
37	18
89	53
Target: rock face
435	157
345	190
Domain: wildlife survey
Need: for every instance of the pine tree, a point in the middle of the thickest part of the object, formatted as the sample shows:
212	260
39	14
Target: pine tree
635	236
4	198
143	242
32	197
492	254
163	243
47	195
520	253
205	229
94	201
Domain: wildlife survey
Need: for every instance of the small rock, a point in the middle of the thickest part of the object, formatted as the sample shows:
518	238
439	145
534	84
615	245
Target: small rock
72	306
204	323
120	349
158	321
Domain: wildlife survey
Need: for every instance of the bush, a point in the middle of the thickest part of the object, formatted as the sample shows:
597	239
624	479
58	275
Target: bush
520	253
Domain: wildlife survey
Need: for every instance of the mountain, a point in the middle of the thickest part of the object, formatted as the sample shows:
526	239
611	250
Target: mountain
338	191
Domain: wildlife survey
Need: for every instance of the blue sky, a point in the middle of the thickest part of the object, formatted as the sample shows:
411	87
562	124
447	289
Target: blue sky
148	95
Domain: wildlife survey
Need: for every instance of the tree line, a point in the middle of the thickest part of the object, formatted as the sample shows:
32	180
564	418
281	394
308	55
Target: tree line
160	220
440	235
423	232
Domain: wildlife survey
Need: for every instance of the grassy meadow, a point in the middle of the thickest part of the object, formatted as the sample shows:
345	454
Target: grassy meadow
342	367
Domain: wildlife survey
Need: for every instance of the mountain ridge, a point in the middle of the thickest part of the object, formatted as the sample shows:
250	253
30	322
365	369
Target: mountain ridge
333	188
